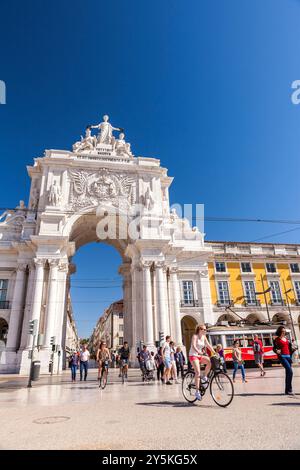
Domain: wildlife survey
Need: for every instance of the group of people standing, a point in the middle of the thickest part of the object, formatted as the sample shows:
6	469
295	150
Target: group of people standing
169	361
79	360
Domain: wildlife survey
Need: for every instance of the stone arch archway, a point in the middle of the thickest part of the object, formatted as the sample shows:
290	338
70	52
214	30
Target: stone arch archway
227	317
188	325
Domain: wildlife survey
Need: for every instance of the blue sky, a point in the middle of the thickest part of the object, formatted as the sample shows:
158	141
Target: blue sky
203	85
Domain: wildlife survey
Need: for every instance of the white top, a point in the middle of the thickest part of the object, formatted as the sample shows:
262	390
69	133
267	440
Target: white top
167	349
84	356
200	344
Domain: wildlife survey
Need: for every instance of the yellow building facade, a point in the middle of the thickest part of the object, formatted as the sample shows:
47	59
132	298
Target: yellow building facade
255	282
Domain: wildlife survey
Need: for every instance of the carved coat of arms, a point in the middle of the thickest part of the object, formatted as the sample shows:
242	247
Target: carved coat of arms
91	188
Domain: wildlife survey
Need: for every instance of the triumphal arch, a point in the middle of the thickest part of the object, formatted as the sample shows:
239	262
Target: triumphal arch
98	191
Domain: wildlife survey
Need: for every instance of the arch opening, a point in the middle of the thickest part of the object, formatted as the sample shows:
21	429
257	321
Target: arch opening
188	325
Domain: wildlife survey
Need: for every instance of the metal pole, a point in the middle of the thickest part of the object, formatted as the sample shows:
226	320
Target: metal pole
289	309
30	370
266	302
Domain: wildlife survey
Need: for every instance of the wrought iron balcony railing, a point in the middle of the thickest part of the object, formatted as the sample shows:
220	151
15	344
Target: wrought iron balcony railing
278	302
252	303
189	303
225	303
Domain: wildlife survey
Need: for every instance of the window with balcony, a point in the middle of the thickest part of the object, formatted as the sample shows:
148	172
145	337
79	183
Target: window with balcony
275	293
220	267
246	267
3	293
297	290
188	293
295	268
250	296
223	292
271	267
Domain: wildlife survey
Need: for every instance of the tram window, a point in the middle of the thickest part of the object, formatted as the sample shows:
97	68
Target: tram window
229	340
248	341
215	339
267	340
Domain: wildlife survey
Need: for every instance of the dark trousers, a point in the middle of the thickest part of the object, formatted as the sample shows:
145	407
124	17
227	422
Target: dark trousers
160	371
180	368
73	371
287	364
84	365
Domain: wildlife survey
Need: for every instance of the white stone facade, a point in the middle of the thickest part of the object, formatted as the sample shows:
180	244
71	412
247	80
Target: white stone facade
70	194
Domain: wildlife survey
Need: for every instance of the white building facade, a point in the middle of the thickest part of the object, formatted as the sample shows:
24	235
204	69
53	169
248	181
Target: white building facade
72	194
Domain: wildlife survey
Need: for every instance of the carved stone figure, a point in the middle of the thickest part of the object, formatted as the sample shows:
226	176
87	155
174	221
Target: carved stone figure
55	194
147	200
34	198
121	147
105	135
87	143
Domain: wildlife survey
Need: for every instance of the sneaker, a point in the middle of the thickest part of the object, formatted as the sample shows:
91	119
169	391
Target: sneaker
291	394
198	395
245	381
168	383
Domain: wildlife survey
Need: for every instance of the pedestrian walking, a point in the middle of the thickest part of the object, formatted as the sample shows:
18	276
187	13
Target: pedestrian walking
220	351
238	362
73	363
180	362
166	353
173	363
159	361
258	350
283	348
84	362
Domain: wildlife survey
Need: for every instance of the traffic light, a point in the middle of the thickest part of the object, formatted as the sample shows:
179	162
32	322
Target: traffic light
32	328
52	342
161	337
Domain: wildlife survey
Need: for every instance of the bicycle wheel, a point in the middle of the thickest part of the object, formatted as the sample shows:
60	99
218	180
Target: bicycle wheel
221	389
188	387
104	379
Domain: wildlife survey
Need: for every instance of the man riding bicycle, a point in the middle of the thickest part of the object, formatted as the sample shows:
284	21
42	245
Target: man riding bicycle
124	354
103	358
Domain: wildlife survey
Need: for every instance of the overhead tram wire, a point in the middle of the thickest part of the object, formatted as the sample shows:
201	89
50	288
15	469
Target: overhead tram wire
206	218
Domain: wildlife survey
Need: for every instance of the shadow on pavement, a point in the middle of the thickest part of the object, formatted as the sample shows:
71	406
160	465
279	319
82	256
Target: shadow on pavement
261	394
171	403
290	403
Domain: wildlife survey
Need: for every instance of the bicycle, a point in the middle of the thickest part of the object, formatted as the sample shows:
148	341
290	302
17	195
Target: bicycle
220	385
124	369
103	376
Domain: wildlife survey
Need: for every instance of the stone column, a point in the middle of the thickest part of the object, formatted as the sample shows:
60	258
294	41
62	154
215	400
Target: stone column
147	305
15	320
176	305
161	280
28	302
37	293
51	301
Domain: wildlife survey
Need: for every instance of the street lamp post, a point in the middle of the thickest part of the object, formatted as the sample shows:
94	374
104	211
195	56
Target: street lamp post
264	292
289	308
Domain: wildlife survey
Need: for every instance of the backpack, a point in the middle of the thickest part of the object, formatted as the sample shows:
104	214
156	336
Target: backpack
256	347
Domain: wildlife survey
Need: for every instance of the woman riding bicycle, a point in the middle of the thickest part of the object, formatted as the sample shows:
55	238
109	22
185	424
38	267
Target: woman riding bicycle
197	356
103	356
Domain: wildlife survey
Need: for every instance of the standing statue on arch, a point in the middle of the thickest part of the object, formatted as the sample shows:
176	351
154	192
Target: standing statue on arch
105	135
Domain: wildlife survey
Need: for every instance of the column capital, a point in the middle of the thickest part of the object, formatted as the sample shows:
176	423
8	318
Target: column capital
160	265
53	262
173	270
145	264
21	267
63	266
39	262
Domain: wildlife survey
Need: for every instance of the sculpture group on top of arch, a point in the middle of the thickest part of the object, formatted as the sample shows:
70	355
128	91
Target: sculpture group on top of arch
105	141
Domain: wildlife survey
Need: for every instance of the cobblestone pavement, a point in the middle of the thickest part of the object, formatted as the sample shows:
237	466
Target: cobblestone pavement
56	414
